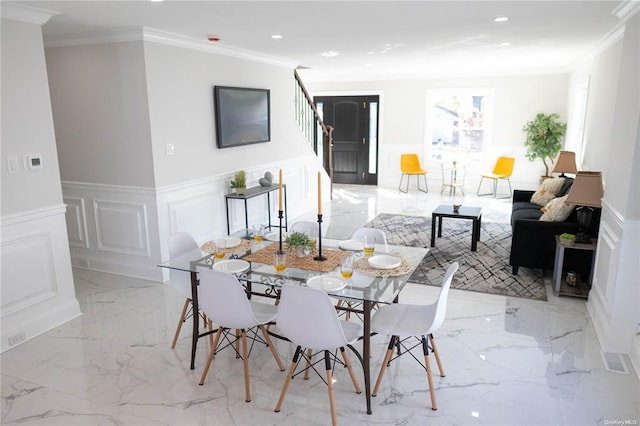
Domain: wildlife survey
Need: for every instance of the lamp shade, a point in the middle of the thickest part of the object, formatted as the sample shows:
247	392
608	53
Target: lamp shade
565	163
586	189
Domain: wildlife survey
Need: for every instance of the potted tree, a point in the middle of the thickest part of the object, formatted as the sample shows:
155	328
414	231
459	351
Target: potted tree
239	182
544	138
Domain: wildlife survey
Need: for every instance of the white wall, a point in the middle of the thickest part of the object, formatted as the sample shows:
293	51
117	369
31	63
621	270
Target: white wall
120	217
99	100
180	89
613	125
403	118
37	283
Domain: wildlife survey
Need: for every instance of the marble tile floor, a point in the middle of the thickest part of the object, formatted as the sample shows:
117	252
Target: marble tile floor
508	361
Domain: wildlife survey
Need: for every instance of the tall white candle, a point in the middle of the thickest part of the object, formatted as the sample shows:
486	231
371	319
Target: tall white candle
280	191
319	194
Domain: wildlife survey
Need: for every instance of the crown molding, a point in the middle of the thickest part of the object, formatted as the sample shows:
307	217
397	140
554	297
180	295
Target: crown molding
162	37
31	15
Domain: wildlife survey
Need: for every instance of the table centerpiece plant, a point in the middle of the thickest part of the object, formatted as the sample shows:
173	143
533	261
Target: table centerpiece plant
300	242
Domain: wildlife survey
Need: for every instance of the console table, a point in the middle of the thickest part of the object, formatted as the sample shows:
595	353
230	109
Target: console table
254	192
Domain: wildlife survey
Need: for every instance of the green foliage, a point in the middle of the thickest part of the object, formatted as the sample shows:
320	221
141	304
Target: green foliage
298	239
544	138
239	180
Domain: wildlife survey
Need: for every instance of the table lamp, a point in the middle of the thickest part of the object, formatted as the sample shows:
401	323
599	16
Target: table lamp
565	163
586	193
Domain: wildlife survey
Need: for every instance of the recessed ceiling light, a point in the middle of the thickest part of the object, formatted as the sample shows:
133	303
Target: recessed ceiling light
276	36
330	53
505	44
501	19
156	1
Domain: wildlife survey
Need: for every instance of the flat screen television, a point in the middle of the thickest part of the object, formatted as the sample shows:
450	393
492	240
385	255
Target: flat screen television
243	116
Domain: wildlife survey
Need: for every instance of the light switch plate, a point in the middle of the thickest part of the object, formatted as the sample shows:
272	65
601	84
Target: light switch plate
13	164
171	149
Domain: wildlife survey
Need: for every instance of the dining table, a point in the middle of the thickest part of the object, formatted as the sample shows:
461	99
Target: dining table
376	279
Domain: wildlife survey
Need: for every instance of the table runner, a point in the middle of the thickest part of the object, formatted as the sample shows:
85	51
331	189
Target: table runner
334	259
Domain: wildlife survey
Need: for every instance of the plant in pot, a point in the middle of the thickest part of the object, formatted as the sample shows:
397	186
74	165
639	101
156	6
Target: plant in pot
544	138
300	242
239	182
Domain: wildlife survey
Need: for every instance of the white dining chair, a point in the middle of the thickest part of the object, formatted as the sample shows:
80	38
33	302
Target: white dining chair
179	244
309	320
224	300
377	235
405	322
379	238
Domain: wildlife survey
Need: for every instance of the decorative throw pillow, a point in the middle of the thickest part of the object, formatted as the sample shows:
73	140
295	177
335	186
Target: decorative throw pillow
547	191
557	210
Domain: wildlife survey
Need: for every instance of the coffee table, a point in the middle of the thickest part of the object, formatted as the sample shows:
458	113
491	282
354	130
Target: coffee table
469	213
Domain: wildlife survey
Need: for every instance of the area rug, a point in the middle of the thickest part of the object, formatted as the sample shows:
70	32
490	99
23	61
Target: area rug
486	270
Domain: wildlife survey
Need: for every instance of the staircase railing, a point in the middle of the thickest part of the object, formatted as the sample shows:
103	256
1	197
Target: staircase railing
311	124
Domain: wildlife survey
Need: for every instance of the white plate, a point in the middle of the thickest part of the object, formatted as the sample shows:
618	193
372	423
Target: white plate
232	266
327	282
272	236
384	261
353	245
232	242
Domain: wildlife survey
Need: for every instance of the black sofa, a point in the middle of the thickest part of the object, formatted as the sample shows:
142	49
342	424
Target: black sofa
533	241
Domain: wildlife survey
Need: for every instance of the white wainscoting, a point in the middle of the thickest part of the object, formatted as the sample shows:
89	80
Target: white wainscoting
125	231
37	283
113	229
614	296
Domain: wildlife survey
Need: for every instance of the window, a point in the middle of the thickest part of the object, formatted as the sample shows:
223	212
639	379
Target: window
457	124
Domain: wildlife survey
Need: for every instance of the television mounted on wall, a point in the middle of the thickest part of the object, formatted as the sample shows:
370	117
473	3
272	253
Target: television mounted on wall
243	116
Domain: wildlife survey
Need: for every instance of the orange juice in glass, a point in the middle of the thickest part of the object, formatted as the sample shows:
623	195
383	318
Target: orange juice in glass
280	261
346	268
258	233
369	245
221	249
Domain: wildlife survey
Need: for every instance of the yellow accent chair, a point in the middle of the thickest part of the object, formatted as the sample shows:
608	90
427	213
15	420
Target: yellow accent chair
502	171
410	166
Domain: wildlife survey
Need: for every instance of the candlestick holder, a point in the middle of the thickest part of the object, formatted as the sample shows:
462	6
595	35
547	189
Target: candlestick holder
319	256
280	229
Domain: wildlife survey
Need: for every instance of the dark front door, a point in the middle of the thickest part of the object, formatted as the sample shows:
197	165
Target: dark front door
355	137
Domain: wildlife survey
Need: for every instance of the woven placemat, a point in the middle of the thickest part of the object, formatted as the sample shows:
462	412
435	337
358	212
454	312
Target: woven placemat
240	249
334	259
362	265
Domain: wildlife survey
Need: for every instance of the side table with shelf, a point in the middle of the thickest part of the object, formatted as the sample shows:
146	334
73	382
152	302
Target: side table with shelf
254	192
562	266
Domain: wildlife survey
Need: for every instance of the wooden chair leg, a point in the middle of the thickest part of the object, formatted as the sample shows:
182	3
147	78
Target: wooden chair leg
271	347
308	364
350	369
332	404
427	363
212	353
434	349
180	322
385	364
210	327
292	369
245	362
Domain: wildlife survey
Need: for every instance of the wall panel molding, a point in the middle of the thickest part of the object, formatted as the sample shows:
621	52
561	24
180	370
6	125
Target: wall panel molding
122	227
38	293
76	222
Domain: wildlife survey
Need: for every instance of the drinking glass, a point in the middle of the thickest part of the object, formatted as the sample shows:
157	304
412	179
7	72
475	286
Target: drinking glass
221	249
346	268
369	245
311	233
258	233
280	260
